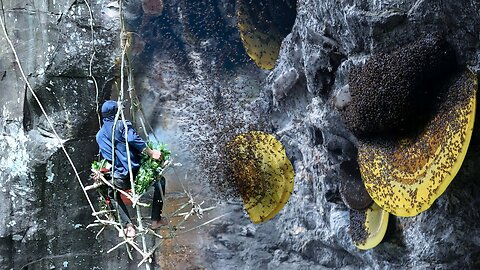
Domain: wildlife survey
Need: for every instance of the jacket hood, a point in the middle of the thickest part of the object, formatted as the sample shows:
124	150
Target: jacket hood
109	109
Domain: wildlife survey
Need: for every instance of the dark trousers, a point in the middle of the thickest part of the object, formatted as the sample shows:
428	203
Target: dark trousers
116	200
158	195
119	205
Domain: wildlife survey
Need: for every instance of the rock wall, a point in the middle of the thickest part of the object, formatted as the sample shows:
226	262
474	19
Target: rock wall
44	212
197	83
317	230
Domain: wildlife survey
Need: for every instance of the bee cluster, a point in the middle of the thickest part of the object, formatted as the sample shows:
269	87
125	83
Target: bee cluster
413	127
263	25
392	92
407	174
250	158
221	111
358	230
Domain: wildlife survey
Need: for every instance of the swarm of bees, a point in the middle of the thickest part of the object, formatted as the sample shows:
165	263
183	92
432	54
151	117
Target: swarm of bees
413	132
368	227
392	92
405	176
260	170
260	36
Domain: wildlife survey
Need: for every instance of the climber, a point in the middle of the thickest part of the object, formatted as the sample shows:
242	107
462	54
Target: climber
121	177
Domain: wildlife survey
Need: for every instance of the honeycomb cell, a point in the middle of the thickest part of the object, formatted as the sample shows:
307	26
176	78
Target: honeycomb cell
262	172
404	176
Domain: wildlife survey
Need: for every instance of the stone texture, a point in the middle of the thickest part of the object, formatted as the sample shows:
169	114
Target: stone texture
196	84
44	212
361	28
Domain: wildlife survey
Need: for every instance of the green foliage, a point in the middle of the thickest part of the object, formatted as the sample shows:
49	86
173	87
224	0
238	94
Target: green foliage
162	147
150	169
97	165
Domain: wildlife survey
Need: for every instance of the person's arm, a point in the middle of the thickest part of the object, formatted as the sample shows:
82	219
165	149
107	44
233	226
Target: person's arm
133	139
138	143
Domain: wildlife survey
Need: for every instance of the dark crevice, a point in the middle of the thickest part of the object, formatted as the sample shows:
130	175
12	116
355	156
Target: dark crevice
27	113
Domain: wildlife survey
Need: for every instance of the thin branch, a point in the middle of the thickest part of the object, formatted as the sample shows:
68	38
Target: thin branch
49	121
103	212
203	224
97	108
116	246
100	231
150	253
94	186
124	48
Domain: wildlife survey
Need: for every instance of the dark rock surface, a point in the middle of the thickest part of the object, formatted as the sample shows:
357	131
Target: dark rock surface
196	83
44	212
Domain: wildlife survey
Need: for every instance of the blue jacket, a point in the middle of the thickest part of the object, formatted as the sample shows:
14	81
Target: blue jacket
104	139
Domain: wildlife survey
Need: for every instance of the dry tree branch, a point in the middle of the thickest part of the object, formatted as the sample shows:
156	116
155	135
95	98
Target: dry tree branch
203	224
122	79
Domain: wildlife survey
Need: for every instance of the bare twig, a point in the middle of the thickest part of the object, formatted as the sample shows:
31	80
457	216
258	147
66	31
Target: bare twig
94	186
124	47
150	253
103	212
100	231
203	224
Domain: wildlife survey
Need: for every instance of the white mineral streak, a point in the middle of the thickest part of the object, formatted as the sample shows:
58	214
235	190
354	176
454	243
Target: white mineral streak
49	174
14	157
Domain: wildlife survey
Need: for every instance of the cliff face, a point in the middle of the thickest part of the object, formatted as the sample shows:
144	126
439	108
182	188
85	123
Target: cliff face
197	83
310	226
44	212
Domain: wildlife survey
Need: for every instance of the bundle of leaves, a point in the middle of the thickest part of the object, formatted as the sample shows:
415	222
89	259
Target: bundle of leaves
98	168
150	168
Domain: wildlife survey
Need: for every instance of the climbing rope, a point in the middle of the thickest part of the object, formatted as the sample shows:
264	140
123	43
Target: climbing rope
196	209
29	87
90	73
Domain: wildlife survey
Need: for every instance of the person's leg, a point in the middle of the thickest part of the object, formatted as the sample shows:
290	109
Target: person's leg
123	215
120	206
157	204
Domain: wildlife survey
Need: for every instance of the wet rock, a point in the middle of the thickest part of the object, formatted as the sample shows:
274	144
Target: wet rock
44	212
152	7
198	81
352	189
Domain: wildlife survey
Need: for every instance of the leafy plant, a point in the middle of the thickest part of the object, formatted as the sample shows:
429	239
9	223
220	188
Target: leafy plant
97	165
162	148
150	168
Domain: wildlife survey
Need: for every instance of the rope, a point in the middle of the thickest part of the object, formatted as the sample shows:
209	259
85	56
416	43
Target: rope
97	107
60	140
